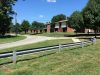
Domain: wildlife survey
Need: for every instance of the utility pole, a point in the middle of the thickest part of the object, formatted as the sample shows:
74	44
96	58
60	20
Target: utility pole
16	31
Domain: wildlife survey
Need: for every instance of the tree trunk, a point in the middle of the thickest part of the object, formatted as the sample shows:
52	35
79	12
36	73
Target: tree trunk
76	33
31	31
36	31
25	31
95	33
16	33
3	33
88	32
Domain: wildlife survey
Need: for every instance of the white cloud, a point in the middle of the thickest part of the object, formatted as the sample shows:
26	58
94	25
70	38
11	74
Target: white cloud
41	16
51	0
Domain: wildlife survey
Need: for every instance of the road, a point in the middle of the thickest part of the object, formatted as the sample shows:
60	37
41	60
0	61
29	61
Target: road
29	40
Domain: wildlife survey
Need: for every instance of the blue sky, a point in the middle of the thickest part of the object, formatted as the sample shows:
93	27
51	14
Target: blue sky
44	10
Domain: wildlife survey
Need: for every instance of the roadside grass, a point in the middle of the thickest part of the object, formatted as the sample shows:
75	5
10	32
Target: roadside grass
66	34
8	39
39	44
73	61
55	34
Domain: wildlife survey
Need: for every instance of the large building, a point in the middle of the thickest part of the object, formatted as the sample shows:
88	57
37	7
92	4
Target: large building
61	26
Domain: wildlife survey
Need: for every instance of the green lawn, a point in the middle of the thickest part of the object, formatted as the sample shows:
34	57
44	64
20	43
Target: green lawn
55	34
62	34
9	39
39	44
73	61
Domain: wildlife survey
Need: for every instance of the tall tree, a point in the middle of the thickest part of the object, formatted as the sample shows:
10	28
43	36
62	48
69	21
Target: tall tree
11	27
58	18
76	21
37	26
91	15
17	28
25	26
41	26
6	13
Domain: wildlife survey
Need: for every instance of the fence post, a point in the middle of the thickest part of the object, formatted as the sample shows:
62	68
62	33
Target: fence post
94	41
59	47
14	57
82	44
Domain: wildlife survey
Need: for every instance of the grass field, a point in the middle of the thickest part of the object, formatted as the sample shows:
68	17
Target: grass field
63	34
73	61
9	39
55	34
39	44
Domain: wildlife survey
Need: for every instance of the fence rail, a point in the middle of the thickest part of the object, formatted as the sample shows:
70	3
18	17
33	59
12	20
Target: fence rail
14	54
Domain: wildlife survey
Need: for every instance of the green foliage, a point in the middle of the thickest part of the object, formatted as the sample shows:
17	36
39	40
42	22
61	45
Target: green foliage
25	26
6	13
37	25
91	14
11	27
58	18
76	21
17	28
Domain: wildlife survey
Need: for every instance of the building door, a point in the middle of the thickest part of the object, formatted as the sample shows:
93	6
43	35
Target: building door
56	29
64	29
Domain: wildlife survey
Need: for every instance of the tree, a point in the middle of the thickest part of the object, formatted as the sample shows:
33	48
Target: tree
41	26
91	15
17	28
25	26
11	28
58	18
76	21
37	26
6	13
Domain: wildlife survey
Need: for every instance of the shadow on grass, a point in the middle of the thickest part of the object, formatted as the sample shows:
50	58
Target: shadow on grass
79	35
7	36
21	60
6	63
79	47
87	38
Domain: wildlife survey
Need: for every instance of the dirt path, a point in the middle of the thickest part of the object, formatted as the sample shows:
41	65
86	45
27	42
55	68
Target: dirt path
75	40
29	40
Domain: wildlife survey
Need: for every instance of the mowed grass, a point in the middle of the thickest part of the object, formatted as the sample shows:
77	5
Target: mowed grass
55	34
39	44
73	61
8	39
